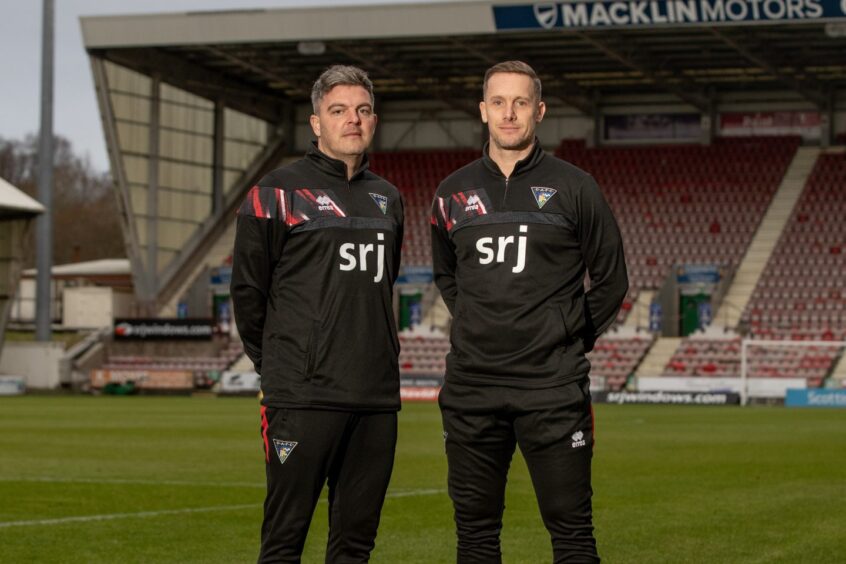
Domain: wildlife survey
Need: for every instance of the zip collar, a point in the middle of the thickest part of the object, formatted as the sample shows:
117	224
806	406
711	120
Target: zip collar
334	167
532	160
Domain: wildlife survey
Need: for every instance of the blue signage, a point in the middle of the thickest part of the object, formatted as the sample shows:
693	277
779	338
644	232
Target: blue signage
698	274
705	314
656	317
650	13
815	398
416	275
221	276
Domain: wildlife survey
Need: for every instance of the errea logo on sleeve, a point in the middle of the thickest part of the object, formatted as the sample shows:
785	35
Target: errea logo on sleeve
325	203
473	203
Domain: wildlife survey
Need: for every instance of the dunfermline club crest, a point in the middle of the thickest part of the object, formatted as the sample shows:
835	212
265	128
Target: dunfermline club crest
381	201
284	449
542	194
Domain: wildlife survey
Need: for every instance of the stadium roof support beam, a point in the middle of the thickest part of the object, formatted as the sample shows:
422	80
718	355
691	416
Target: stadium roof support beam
456	100
567	92
201	242
149	301
218	155
689	94
239	96
127	219
803	87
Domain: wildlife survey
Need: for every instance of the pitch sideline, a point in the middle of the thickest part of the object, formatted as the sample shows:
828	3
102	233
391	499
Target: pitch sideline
113	516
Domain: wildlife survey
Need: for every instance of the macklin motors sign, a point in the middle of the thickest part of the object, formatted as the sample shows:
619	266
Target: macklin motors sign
593	14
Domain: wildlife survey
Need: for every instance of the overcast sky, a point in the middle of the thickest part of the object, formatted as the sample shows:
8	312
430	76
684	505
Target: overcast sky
76	115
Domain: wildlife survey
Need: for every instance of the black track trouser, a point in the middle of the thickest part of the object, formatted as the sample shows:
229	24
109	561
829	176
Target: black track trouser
353	451
554	429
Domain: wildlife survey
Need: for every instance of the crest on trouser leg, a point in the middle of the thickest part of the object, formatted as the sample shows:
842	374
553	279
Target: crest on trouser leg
284	449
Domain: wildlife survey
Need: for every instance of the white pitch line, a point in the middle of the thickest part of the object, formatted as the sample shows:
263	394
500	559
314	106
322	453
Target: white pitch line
51	480
413	493
122	481
113	516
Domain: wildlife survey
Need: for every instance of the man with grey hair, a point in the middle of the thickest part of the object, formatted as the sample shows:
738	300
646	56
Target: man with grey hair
317	251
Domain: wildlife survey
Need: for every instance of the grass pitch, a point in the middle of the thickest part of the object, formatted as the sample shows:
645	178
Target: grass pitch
153	479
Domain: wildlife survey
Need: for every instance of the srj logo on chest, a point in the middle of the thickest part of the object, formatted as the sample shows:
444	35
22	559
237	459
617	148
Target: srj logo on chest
494	249
354	257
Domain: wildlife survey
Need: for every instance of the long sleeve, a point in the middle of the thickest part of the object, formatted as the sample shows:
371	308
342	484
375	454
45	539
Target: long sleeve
602	250
443	257
259	238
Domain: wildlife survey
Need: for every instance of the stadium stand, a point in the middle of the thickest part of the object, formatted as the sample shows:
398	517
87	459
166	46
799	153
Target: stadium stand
417	175
616	357
800	294
205	360
423	355
676	204
613	358
711	357
685	203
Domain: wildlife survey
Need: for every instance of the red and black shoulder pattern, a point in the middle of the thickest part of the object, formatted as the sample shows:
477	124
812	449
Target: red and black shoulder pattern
459	207
291	207
265	202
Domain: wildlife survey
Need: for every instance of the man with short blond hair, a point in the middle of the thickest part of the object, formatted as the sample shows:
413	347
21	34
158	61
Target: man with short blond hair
513	234
317	252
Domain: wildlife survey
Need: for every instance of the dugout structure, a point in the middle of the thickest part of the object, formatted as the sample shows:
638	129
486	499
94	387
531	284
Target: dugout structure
197	106
17	212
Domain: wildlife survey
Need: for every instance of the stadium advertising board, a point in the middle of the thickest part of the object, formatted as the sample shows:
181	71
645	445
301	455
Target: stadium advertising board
420	388
240	383
744	124
641	13
12	385
145	379
698	274
415	275
757	387
641	127
408	393
815	398
148	329
669	398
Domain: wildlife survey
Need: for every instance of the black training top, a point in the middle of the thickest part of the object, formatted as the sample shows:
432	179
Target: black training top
315	260
510	256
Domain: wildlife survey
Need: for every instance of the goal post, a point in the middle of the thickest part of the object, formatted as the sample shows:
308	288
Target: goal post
747	344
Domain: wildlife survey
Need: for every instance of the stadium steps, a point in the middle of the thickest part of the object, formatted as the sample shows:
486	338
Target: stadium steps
658	356
838	374
766	237
242	364
639	315
217	256
437	316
